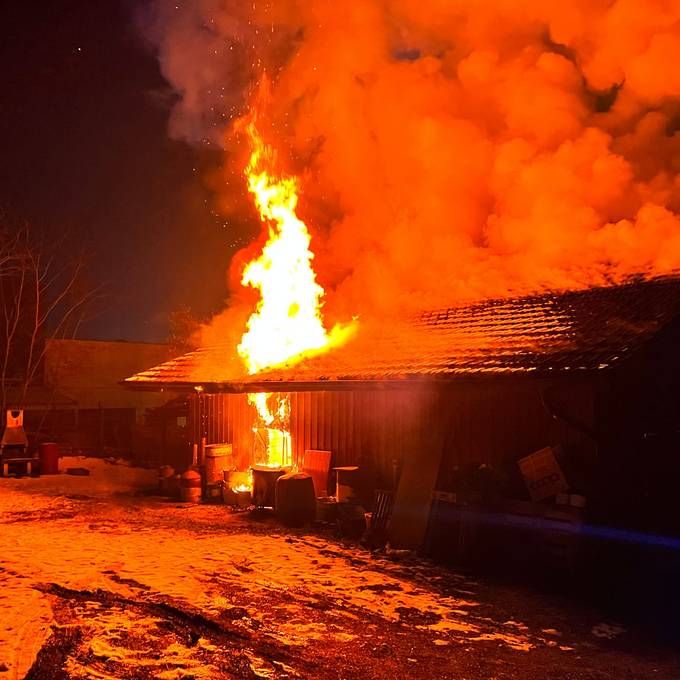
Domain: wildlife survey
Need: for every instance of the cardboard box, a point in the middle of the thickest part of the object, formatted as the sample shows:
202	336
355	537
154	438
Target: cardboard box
542	474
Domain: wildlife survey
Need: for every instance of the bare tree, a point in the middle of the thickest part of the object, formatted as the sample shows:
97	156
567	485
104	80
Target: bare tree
42	296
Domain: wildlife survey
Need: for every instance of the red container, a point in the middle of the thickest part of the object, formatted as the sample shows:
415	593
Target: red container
49	458
190	487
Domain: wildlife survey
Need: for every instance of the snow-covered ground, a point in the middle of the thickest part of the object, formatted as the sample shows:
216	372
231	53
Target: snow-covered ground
99	579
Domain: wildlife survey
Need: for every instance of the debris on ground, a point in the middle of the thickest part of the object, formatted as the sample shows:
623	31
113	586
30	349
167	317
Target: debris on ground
99	580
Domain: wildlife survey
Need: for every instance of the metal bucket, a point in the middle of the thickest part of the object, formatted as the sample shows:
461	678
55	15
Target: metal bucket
243	499
190	487
213	492
228	495
264	485
174	484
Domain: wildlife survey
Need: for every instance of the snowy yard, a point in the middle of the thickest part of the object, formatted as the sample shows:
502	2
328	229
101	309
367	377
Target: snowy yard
100	579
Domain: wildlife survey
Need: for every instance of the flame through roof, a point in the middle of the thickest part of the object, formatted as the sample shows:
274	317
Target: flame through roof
547	333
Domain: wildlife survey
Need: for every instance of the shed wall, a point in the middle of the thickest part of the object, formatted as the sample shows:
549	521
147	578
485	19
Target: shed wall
494	423
359	428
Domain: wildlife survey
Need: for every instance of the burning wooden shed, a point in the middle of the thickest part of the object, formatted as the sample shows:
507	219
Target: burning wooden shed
443	407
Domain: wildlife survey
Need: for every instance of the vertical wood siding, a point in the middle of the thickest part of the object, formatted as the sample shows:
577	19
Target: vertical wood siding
359	428
494	424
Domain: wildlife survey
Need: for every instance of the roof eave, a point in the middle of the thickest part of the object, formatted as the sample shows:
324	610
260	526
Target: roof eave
353	384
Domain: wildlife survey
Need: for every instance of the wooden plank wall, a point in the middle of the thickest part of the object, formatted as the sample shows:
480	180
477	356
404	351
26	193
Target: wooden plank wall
224	418
359	428
494	423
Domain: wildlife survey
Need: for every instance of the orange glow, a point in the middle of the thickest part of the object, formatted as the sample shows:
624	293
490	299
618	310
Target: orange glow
260	400
464	155
241	481
241	488
272	432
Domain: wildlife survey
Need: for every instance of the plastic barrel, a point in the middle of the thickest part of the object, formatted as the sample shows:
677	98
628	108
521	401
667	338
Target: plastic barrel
49	458
295	499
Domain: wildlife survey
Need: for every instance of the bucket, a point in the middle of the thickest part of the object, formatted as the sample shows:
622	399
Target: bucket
165	475
327	509
213	492
264	485
49	458
218	458
228	495
234	478
190	495
243	499
190	487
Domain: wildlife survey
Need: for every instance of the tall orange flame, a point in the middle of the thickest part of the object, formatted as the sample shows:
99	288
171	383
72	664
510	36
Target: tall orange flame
287	323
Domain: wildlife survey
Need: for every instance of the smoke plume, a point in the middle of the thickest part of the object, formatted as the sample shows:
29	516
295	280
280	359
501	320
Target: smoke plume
449	150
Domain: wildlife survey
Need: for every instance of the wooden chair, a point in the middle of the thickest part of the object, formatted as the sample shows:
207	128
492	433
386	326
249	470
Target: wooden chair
14	444
317	464
376	530
384	500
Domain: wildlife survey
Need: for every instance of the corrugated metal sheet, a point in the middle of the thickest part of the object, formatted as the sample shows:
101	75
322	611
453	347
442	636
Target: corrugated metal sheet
472	424
359	428
224	418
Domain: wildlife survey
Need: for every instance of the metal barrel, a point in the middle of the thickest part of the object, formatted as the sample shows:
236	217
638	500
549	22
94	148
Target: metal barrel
49	458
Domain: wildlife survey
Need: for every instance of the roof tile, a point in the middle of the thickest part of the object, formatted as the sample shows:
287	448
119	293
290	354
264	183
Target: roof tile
592	329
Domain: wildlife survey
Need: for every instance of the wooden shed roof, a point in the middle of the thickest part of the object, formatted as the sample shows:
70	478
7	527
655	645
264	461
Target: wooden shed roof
543	334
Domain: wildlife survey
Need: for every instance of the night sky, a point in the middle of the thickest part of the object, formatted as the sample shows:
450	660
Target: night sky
83	133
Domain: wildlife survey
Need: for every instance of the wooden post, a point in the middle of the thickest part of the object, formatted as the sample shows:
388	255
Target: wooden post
422	458
101	428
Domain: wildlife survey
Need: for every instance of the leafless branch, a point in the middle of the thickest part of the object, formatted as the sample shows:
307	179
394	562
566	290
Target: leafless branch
41	297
